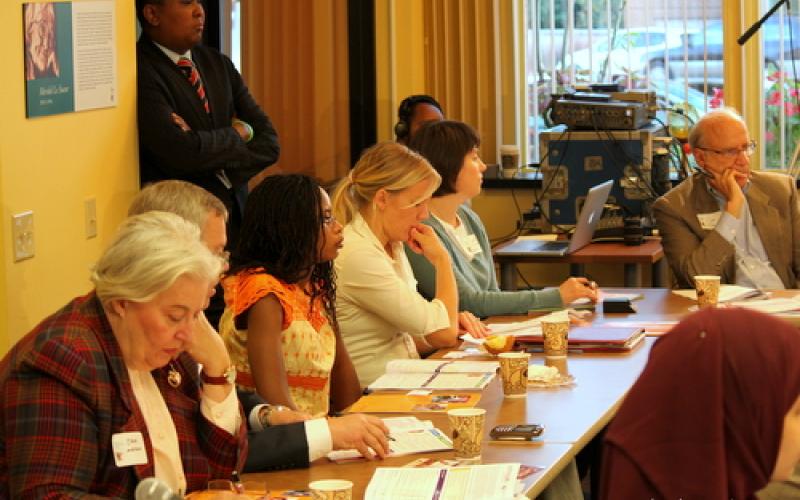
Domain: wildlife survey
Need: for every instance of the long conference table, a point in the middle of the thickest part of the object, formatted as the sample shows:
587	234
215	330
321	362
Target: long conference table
572	416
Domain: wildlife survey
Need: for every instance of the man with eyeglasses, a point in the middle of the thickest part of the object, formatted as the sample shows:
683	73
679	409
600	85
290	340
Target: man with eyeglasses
727	220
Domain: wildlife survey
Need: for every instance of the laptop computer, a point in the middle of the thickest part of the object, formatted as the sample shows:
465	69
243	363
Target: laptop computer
584	229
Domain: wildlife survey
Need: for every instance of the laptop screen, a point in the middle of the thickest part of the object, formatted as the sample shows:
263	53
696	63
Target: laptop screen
590	215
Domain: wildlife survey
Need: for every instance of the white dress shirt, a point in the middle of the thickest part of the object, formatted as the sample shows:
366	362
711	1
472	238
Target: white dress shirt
318	433
753	268
377	304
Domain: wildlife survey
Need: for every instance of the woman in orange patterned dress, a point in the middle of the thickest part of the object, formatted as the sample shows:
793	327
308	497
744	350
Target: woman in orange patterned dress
280	323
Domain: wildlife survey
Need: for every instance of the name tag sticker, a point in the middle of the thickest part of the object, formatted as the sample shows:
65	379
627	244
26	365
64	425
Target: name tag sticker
128	449
709	221
471	244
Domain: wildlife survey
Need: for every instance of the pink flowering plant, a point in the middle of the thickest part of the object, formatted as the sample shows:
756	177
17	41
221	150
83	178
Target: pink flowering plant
782	96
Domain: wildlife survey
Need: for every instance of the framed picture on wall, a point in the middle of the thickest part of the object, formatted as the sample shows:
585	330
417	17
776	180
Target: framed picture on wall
70	56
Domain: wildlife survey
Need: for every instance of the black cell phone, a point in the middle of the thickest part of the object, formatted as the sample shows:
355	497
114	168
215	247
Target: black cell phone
518	432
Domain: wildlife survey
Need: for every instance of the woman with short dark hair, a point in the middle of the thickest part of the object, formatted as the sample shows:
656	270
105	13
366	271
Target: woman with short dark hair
451	147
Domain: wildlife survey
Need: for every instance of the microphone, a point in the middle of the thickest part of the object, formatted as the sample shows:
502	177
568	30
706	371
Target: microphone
152	488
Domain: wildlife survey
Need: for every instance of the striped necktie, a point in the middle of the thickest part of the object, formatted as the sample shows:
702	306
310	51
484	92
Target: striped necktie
187	66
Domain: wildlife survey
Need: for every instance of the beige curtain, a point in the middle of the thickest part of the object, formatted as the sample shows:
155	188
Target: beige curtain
460	64
294	60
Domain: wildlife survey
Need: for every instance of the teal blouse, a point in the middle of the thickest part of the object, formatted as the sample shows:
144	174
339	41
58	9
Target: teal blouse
477	282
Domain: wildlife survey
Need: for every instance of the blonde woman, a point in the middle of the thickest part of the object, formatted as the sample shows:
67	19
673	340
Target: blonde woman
381	315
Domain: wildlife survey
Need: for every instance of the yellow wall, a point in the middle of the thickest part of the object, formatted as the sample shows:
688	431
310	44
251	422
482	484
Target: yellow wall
400	62
4	247
51	165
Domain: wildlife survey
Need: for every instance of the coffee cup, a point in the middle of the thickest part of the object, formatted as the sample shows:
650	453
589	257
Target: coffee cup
467	431
509	160
514	373
331	489
707	288
555	333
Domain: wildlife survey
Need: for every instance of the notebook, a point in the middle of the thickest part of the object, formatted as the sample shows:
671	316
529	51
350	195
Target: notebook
484	481
408	374
584	229
596	338
407	435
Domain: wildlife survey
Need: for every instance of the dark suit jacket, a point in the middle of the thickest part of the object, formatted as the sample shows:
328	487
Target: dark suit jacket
65	392
277	446
166	152
692	250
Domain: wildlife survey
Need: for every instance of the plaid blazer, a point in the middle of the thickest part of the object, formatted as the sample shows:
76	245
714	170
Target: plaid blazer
65	391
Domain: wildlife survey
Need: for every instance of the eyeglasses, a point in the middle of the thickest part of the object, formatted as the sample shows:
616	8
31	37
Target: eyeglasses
733	153
328	219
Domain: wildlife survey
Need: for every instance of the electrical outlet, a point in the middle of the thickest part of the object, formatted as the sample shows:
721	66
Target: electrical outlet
22	235
90	211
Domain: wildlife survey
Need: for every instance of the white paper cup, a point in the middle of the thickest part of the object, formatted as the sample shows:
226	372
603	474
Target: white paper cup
514	373
707	288
555	334
331	489
467	431
509	160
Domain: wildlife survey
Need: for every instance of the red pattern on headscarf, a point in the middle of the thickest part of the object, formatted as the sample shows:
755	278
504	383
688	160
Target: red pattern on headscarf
704	419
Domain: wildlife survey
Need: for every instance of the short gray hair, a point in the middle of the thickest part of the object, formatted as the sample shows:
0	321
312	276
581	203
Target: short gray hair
709	120
148	254
191	202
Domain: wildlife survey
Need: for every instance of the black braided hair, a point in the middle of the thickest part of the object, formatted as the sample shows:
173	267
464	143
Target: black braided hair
282	232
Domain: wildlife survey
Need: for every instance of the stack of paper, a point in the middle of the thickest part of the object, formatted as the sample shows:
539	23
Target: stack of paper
407	374
407	435
527	327
487	482
769	306
727	293
531	326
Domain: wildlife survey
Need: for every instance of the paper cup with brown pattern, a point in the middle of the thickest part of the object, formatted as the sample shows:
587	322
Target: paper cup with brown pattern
707	288
331	489
467	431
555	333
514	373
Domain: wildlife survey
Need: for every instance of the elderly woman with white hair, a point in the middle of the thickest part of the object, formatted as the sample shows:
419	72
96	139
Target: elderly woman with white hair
107	391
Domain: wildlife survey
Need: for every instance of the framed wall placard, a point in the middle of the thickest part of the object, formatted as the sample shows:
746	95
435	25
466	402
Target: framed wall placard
70	56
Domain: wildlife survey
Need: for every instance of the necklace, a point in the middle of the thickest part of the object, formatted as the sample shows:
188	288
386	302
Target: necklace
173	376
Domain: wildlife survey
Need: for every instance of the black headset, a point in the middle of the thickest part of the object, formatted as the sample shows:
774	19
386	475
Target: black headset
406	110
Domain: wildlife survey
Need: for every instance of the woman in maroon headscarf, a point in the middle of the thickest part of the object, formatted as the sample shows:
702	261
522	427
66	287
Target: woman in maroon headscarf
715	414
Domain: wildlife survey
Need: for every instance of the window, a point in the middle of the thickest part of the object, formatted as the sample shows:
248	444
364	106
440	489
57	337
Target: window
232	31
673	47
779	35
670	47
